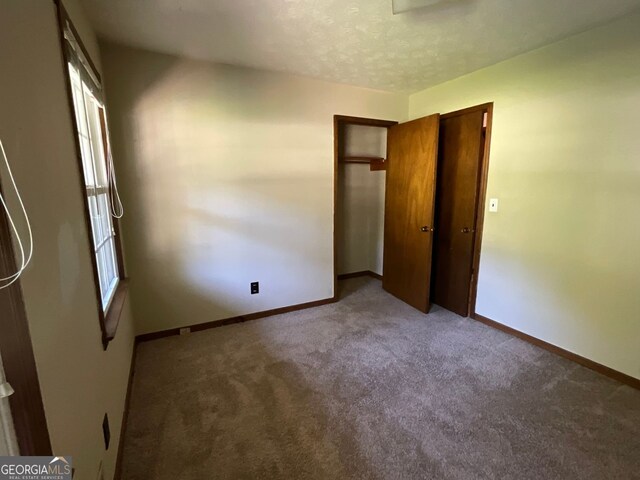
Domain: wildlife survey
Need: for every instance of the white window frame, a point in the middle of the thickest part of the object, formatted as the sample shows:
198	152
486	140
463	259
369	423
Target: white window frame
89	130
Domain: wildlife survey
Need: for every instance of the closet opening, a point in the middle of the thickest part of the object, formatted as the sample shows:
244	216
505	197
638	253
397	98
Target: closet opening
360	151
409	204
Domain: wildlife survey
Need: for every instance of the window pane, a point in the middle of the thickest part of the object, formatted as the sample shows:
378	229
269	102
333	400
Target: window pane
95	135
110	267
114	258
109	271
81	118
87	111
105	218
96	142
95	221
85	146
101	270
87	163
106	256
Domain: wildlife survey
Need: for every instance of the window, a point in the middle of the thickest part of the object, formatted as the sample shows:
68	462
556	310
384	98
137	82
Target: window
89	119
102	204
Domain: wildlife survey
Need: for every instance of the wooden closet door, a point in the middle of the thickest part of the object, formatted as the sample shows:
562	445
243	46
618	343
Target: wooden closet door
409	210
460	152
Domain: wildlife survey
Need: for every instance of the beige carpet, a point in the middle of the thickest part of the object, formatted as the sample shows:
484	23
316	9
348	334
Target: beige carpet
369	388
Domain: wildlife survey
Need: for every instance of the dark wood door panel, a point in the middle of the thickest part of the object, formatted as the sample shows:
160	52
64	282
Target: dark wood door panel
409	210
459	160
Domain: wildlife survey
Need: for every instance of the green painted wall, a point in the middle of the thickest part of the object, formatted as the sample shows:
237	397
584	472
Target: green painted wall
561	258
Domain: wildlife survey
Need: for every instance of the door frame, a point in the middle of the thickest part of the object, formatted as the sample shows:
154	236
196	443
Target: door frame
27	409
481	199
340	121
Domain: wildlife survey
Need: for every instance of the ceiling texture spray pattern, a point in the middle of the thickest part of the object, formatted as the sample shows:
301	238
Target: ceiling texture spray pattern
358	42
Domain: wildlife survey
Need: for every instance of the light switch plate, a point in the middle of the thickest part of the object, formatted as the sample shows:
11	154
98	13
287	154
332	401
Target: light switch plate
493	205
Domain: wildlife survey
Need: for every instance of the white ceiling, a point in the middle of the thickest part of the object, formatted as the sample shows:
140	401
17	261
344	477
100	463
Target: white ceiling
358	42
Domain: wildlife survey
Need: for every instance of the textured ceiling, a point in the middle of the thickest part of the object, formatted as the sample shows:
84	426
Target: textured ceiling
358	42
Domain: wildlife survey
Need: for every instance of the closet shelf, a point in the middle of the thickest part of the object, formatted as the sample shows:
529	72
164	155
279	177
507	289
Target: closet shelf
375	163
361	159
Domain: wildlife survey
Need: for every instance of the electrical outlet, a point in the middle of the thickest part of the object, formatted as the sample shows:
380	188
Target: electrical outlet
106	432
255	288
185	331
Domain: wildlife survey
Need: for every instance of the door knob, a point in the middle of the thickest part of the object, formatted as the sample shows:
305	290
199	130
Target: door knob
426	229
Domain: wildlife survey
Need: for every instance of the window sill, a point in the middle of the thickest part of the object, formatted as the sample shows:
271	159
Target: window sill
112	315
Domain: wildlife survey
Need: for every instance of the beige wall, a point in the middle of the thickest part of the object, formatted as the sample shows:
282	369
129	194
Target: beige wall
79	381
360	209
560	260
227	177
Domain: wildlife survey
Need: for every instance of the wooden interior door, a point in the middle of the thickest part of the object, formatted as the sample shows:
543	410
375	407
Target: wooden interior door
409	210
460	154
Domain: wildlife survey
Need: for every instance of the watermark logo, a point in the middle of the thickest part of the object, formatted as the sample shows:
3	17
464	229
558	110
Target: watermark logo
35	468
